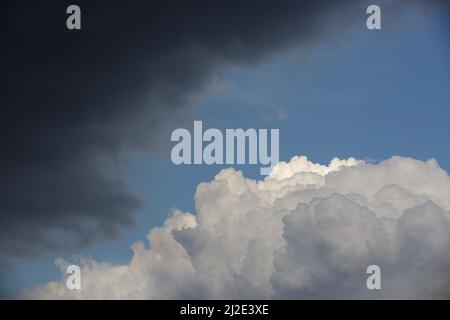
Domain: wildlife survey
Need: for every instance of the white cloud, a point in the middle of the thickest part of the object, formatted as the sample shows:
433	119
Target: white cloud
307	231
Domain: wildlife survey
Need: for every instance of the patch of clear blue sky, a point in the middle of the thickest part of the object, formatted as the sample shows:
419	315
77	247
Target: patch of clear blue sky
366	94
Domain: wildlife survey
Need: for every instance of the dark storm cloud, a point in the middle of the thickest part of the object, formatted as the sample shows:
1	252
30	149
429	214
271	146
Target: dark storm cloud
72	101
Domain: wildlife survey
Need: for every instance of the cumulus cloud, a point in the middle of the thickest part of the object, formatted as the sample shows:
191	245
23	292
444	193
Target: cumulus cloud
306	231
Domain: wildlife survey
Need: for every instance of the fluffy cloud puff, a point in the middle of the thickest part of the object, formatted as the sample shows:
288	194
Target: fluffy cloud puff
306	231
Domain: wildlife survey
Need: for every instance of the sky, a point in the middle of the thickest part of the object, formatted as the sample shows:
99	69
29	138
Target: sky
345	93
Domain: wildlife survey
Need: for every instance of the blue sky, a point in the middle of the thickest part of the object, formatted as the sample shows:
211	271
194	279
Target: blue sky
367	94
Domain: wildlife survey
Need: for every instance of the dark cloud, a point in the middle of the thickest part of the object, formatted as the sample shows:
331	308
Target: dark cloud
72	101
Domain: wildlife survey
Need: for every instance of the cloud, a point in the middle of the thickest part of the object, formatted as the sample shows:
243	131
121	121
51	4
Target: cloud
307	231
73	103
